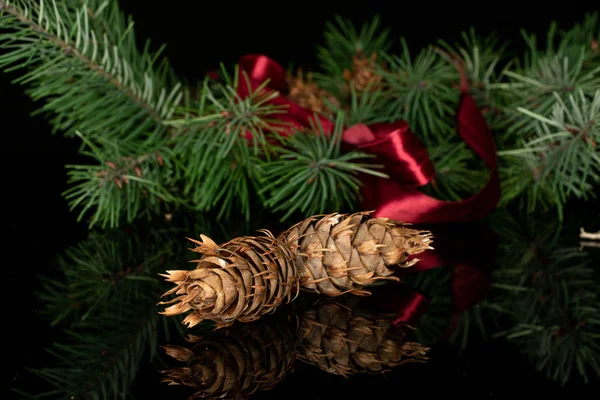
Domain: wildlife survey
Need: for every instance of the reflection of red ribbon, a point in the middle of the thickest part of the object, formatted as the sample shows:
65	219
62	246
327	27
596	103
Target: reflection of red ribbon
409	167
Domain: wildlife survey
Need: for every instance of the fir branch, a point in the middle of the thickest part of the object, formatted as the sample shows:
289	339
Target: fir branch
548	289
366	107
81	57
224	118
130	178
101	356
456	177
222	184
91	84
343	42
311	174
220	138
565	66
479	58
519	179
421	91
565	148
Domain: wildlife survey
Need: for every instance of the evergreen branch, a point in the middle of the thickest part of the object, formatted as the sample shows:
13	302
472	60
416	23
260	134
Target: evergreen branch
421	91
104	301
310	173
343	42
565	67
130	178
548	289
223	184
564	149
91	84
221	140
366	107
82	58
224	118
479	58
456	177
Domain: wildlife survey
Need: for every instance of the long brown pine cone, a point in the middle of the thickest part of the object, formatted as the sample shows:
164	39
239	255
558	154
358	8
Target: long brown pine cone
251	276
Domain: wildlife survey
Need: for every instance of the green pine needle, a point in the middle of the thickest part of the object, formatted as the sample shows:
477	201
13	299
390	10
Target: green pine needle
563	152
343	41
548	289
128	180
104	302
421	91
311	174
81	58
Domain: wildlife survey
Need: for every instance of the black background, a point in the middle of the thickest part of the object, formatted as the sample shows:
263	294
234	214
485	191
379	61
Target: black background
199	35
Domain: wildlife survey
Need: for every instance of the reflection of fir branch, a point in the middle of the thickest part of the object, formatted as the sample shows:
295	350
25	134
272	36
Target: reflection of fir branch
435	283
548	289
563	152
100	356
104	301
442	321
106	264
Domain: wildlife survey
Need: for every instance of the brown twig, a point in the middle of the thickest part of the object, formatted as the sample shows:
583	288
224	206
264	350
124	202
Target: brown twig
588	235
115	173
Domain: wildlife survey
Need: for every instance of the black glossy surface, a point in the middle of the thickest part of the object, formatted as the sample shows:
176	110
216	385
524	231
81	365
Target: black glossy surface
38	226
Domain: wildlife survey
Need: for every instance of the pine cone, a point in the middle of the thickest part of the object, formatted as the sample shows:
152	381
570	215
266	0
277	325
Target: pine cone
341	341
240	280
235	364
307	94
338	254
251	276
362	75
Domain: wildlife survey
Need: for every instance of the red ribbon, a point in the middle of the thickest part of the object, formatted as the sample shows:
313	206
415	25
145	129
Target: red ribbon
406	159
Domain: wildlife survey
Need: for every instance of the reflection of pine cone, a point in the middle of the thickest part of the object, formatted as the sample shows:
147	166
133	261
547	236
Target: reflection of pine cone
235	363
240	360
343	342
334	254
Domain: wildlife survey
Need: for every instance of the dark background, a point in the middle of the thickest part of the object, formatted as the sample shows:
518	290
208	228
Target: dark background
199	35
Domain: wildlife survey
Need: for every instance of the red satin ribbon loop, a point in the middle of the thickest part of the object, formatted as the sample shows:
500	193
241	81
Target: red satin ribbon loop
403	153
404	156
